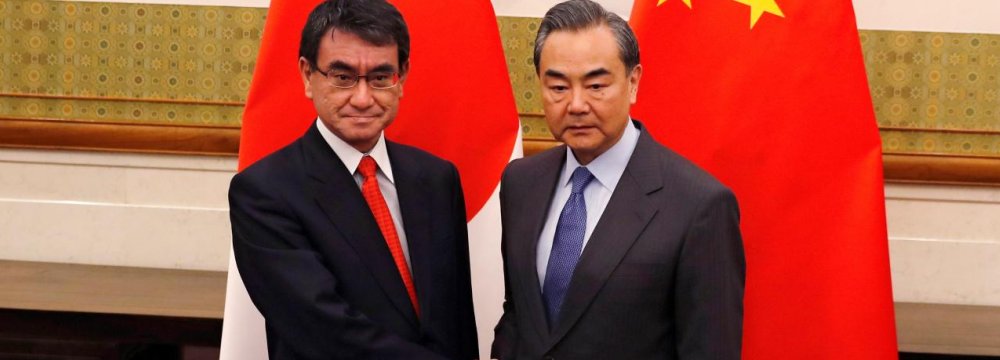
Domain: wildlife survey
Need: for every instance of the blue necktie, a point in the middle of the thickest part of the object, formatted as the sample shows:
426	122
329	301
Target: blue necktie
567	246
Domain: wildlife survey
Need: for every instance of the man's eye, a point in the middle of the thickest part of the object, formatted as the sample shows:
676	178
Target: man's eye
380	77
597	86
558	88
342	77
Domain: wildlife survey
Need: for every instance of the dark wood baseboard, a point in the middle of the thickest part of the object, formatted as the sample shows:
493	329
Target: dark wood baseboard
51	335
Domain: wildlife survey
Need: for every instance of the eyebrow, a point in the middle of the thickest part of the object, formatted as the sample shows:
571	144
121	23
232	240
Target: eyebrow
340	65
385	67
589	75
596	72
555	74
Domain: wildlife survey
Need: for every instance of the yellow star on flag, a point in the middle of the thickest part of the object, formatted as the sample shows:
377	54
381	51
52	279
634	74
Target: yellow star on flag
686	2
759	7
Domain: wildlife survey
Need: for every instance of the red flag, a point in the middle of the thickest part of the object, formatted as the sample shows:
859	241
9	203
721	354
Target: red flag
457	102
771	97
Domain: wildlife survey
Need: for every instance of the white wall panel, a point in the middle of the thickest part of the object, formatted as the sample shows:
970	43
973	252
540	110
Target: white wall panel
159	211
944	243
957	16
945	272
115	234
537	8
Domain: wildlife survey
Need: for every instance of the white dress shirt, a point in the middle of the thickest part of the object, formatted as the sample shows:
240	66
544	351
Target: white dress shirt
351	158
607	169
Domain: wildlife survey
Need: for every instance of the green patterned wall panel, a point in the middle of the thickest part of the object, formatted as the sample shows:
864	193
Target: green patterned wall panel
112	62
935	93
518	36
75	59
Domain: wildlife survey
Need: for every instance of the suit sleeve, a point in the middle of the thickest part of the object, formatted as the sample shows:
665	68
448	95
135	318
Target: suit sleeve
505	333
295	292
466	310
710	279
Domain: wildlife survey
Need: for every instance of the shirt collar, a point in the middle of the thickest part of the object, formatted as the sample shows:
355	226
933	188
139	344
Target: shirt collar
351	157
609	166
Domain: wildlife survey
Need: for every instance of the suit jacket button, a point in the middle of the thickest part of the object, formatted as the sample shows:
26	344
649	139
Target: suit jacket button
549	357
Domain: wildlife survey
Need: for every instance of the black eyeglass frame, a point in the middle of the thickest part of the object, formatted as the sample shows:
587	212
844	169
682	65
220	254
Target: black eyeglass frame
357	79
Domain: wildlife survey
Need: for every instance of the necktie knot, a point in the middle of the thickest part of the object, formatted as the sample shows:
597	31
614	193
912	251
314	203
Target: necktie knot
581	178
367	167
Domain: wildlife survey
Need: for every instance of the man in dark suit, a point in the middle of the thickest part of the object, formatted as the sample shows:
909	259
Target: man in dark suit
352	246
614	246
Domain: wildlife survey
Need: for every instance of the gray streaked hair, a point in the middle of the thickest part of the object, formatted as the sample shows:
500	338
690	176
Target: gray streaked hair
575	15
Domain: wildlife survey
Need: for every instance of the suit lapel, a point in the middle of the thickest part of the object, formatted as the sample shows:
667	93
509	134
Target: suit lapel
340	198
412	190
625	217
533	214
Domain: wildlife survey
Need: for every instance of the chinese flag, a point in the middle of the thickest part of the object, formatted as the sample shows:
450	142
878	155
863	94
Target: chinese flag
771	97
457	104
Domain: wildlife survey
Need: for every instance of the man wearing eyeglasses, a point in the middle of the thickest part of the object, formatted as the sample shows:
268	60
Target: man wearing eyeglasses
353	246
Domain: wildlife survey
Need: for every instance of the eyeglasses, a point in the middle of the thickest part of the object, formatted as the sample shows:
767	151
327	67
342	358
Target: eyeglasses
376	80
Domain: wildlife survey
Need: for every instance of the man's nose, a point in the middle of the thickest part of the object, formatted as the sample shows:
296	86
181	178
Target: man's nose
578	104
361	96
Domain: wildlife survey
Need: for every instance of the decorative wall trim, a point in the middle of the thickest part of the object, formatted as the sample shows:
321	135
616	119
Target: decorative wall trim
941	169
141	138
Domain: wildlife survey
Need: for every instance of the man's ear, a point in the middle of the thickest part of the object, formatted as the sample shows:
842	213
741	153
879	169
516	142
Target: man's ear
633	82
305	71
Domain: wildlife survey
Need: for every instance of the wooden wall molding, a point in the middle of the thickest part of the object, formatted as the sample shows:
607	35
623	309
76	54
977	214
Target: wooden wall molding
142	138
941	169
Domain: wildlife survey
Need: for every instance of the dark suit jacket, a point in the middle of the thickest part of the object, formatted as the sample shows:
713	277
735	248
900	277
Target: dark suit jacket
660	278
316	265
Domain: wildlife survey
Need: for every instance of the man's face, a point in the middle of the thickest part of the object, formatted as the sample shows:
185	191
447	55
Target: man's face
586	90
359	114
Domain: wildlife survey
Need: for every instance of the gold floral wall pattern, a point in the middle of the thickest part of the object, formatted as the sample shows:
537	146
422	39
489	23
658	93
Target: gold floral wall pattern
935	93
113	62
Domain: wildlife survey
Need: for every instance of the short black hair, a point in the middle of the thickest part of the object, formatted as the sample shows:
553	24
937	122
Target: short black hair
575	15
374	21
